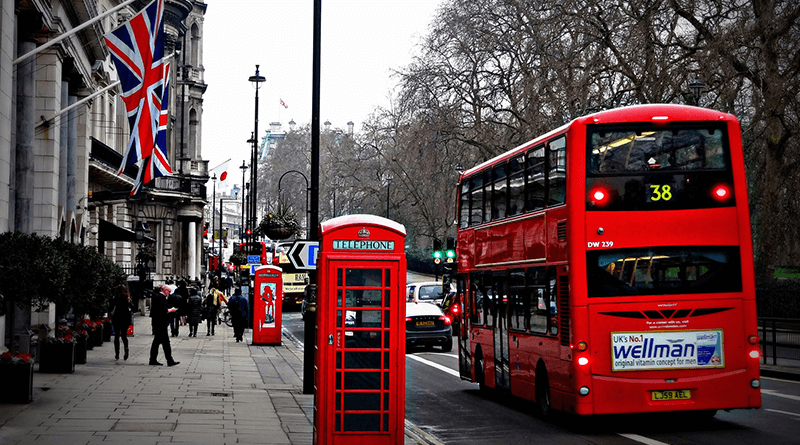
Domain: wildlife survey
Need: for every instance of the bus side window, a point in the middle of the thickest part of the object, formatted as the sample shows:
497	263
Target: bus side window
463	214
500	192
476	300
476	199
518	300
516	186
557	175
535	180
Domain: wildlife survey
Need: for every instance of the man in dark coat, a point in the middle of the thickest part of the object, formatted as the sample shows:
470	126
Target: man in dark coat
159	319
175	300
239	309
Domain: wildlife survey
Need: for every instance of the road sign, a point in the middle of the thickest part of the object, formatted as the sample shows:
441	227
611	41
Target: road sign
303	255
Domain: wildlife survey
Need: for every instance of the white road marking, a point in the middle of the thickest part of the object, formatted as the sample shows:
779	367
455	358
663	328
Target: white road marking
780	380
783	412
642	439
772	392
450	371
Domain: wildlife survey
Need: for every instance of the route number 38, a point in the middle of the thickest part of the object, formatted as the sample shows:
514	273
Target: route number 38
660	193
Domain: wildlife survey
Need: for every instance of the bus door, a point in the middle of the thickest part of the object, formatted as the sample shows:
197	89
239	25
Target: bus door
499	293
464	354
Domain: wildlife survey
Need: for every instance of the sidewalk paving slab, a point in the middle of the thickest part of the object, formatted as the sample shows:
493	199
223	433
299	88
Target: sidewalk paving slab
222	392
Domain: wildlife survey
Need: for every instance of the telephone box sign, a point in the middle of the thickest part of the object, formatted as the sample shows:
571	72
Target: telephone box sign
362	245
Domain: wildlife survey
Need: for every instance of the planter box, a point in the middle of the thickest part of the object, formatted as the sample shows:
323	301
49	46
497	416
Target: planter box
57	358
107	331
17	383
80	350
97	336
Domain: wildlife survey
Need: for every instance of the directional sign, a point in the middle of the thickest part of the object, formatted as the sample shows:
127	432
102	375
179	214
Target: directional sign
303	255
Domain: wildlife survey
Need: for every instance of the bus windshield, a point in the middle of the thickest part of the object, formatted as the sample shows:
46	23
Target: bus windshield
638	150
663	271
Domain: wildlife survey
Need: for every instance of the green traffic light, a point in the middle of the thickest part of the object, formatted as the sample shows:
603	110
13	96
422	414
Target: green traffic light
451	253
437	254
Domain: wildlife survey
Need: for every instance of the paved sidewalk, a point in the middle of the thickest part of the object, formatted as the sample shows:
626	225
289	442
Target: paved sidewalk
222	392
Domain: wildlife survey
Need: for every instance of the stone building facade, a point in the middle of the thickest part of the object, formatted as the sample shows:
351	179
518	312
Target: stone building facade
63	130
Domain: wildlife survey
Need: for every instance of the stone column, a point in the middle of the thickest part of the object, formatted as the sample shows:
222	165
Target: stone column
72	162
26	116
192	249
63	142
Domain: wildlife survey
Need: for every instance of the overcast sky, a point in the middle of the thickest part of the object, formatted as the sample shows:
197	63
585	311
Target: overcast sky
362	42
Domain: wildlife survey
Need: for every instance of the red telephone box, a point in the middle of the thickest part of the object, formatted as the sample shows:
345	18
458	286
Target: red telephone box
360	356
267	305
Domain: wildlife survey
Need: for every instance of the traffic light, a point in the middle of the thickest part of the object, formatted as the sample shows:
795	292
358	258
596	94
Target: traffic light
249	232
450	253
205	230
437	251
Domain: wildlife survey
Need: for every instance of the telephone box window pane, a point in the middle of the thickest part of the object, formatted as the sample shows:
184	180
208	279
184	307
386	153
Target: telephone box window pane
362	401
386	401
386	360
363	297
338	401
338	319
339	277
387	298
339	360
386	340
362	422
387	273
385	381
364	277
362	339
362	319
362	380
338	380
387	319
362	360
338	422
339	298
386	422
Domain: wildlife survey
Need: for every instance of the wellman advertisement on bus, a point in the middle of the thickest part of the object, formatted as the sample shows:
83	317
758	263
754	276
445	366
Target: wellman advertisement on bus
642	351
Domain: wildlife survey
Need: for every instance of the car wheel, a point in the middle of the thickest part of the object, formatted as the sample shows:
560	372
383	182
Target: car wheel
448	345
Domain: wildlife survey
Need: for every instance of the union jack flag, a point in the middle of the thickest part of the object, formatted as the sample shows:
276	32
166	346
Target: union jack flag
137	49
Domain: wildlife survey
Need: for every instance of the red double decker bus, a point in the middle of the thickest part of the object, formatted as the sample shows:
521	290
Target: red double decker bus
606	267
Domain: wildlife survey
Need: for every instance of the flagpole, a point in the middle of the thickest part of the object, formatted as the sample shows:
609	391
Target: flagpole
71	32
80	102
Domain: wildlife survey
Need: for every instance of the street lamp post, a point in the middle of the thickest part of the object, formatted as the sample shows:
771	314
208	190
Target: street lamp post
388	187
213	207
696	88
221	213
256	79
242	227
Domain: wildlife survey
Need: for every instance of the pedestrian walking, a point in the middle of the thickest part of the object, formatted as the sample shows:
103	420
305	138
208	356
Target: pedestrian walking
121	307
175	300
239	309
228	285
159	320
212	304
183	309
195	312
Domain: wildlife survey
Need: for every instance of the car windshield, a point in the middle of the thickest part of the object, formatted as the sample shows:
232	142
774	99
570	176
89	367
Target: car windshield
431	292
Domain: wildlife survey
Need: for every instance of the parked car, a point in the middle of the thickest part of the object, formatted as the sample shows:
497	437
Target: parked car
426	291
427	325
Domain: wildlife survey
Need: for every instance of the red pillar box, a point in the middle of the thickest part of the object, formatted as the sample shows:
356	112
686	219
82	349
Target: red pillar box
267	306
360	356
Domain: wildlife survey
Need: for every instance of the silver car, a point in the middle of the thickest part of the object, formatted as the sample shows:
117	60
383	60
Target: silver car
427	325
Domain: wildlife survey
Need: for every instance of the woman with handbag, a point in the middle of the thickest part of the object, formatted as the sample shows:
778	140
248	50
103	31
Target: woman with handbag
120	309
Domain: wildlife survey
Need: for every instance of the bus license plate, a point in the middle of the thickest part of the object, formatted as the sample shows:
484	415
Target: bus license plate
679	394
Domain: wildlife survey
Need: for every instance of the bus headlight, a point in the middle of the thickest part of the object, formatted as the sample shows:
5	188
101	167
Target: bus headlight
584	391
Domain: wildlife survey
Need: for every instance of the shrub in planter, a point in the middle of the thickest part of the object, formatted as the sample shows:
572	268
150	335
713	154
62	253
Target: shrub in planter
58	354
16	373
